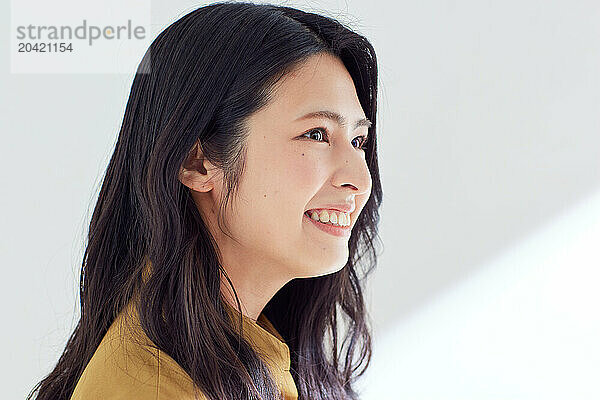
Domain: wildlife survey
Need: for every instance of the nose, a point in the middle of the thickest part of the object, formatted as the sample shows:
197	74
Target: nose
352	171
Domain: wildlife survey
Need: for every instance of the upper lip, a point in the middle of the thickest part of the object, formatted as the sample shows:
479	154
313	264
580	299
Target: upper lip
342	207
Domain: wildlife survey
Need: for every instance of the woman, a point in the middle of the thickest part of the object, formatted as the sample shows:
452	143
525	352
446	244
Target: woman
234	229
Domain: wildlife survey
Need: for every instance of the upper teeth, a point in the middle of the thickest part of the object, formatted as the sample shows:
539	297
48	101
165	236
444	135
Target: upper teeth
333	217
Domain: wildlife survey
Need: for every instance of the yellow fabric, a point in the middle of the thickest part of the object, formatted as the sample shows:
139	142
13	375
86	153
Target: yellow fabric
125	366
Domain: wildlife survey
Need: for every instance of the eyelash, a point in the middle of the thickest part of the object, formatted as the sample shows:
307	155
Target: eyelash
326	134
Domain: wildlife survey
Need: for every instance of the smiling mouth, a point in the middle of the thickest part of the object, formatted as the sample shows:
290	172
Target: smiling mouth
307	213
328	227
344	219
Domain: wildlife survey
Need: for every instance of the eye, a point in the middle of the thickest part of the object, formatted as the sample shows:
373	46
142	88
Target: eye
363	141
323	132
325	135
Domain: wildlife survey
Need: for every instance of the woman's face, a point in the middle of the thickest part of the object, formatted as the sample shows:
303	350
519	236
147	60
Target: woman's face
294	164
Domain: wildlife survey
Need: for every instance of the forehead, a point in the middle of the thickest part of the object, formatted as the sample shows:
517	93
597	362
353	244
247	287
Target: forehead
321	82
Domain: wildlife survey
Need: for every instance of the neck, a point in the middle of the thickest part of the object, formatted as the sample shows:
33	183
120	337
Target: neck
255	285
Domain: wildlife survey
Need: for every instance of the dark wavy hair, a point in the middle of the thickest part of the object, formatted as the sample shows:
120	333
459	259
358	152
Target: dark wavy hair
200	79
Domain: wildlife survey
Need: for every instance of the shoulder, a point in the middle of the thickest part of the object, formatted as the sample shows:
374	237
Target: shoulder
126	365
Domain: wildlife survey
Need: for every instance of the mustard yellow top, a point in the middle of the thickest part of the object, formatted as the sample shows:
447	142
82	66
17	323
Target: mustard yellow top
125	366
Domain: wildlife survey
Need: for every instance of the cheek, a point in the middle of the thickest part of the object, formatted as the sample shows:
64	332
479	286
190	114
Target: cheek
294	174
307	170
293	184
284	180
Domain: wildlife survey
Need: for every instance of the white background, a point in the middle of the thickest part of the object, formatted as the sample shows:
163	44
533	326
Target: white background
489	132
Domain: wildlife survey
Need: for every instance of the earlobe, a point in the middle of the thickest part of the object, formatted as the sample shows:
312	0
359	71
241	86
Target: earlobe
195	180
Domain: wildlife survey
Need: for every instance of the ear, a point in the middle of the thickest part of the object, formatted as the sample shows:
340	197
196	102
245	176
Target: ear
197	172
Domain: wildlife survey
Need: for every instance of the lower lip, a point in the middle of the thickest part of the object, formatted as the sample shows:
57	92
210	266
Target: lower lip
331	229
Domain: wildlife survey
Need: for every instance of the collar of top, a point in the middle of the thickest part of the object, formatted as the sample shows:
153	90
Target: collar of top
263	336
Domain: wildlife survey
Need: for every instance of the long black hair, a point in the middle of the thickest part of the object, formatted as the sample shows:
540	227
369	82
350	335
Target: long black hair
200	79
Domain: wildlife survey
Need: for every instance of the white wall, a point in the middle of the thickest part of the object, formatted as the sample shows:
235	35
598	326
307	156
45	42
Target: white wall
489	127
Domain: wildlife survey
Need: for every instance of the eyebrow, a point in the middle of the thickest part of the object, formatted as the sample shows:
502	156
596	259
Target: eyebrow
336	117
